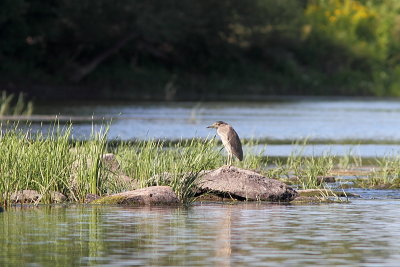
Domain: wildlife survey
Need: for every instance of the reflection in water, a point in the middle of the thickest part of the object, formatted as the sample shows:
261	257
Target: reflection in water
223	245
364	232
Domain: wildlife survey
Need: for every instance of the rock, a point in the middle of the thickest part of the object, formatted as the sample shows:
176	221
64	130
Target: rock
25	196
57	197
110	162
244	185
154	195
111	172
32	196
90	198
326	179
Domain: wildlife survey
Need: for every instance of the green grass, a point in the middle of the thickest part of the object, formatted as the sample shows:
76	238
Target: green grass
10	106
302	171
385	175
55	161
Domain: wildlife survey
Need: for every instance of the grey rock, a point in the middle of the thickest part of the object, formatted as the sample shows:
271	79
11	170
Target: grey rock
32	196
25	196
154	195
57	197
244	185
90	198
112	172
110	162
326	179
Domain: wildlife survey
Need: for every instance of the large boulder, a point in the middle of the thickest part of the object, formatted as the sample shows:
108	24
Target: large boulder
154	195
241	184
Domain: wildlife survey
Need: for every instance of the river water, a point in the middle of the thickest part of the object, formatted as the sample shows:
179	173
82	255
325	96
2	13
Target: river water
364	232
355	119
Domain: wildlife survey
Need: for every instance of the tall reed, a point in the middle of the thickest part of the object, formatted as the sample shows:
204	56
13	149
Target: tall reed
153	162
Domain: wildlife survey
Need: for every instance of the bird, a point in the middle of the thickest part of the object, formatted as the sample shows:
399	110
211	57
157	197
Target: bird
230	140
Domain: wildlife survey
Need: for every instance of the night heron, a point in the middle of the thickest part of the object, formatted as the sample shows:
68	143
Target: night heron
230	139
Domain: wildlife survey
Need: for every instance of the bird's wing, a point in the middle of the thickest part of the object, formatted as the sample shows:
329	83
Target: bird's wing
235	143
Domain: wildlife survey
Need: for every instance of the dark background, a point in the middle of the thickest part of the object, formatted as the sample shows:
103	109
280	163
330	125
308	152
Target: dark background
199	50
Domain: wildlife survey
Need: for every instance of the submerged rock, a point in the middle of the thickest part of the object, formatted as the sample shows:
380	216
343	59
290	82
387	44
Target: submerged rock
244	185
154	195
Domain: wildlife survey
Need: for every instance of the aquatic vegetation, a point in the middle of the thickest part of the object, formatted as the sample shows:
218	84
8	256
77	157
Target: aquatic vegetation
20	107
350	160
385	175
56	162
301	170
153	163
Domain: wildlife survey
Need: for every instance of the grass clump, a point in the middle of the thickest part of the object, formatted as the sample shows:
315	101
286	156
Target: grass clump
10	106
55	162
304	171
155	163
48	162
34	161
386	175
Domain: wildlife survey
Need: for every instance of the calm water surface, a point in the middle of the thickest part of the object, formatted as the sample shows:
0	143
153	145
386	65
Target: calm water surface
365	232
284	120
323	119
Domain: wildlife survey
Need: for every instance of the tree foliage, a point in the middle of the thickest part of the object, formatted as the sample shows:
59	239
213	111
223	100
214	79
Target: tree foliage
204	47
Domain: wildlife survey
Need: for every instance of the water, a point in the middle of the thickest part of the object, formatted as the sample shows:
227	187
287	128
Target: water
324	119
365	150
285	120
364	232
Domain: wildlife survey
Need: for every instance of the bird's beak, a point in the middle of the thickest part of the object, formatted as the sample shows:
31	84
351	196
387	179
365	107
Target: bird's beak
211	126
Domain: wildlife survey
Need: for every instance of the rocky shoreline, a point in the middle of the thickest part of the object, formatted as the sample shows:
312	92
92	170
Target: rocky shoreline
227	183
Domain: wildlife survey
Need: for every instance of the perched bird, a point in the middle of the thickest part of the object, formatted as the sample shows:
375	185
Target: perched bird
230	139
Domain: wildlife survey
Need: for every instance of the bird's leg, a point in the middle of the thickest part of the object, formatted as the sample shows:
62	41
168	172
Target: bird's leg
229	159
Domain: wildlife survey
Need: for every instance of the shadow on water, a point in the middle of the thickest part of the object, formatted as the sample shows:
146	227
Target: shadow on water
211	234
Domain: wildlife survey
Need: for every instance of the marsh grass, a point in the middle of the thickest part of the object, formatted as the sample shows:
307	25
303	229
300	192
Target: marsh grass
48	163
87	173
156	163
55	161
301	170
385	175
10	106
34	161
350	160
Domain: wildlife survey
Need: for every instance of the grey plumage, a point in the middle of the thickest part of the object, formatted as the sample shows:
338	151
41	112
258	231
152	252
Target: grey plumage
230	140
